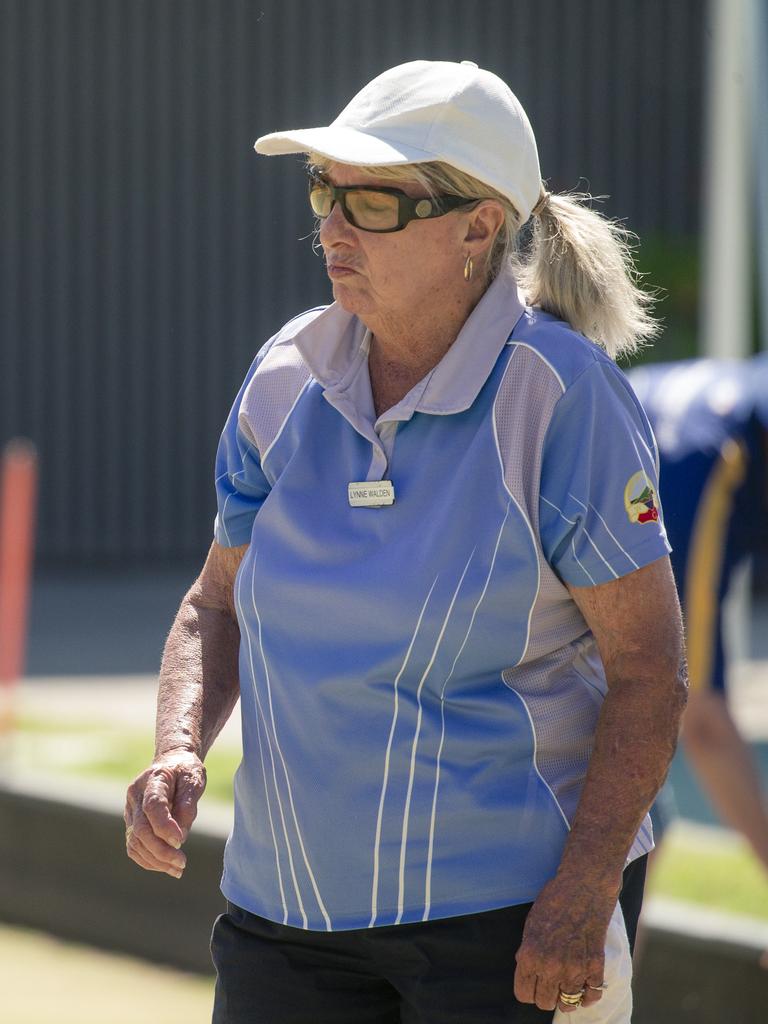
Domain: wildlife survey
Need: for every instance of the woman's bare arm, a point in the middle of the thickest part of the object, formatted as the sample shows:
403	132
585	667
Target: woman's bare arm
637	625
198	677
198	688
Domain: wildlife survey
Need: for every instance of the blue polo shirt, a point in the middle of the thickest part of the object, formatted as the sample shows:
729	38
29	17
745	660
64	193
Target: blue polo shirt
419	691
710	418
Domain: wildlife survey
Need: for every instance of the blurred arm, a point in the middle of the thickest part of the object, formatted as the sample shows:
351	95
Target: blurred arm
724	766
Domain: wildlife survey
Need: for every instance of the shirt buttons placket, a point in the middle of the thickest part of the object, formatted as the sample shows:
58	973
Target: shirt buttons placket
388	432
378	464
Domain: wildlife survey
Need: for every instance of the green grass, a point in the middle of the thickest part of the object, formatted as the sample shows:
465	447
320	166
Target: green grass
722	876
88	750
135	754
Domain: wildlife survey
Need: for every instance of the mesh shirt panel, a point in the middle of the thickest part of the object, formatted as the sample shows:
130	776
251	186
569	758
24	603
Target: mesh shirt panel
271	395
563	693
530	384
564	708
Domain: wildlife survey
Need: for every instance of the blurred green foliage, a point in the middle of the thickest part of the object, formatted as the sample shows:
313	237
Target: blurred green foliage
669	267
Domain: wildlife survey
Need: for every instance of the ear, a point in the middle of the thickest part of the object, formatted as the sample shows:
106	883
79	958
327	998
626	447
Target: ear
485	222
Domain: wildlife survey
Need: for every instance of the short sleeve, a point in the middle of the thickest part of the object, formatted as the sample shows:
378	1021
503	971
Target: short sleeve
241	486
599	511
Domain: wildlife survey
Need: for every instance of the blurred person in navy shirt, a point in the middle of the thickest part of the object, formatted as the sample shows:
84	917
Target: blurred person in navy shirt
710	418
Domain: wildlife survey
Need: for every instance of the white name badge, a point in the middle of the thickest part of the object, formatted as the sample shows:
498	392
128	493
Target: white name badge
371	494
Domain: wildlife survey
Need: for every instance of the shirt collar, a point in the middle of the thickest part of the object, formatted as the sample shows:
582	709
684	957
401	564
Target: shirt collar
334	344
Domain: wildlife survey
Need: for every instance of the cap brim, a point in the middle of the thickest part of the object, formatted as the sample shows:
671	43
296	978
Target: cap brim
342	145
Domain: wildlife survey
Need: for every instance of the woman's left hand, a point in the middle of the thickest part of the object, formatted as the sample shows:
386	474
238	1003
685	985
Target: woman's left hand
563	947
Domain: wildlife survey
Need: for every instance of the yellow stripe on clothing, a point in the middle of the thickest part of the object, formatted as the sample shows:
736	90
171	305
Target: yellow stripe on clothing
705	561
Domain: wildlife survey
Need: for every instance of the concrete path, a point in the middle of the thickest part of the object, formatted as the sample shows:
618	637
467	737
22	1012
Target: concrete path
48	981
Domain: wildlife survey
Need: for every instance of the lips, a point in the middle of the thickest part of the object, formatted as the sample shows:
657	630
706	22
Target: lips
340	269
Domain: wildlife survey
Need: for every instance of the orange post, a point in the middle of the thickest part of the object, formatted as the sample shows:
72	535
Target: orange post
18	488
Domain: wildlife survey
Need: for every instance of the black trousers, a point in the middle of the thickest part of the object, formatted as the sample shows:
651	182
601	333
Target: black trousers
457	970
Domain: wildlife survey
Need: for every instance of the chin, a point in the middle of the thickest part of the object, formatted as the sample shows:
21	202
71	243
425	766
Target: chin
350	300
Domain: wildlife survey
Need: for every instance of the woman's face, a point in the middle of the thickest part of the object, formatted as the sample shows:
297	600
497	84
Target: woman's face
395	274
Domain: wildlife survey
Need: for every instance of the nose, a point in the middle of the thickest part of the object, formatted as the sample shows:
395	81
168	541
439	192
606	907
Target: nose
335	227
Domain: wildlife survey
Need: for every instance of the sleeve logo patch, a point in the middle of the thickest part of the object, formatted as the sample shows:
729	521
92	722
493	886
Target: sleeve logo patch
640	499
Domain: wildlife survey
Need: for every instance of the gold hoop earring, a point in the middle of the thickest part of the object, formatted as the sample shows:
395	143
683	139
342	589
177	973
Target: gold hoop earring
468	268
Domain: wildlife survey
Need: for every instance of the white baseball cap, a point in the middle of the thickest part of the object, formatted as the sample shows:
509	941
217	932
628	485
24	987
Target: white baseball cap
431	110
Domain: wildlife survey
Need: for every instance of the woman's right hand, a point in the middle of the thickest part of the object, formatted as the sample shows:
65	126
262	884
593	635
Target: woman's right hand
161	805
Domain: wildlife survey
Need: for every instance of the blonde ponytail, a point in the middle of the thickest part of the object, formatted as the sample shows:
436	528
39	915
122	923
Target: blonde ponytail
579	267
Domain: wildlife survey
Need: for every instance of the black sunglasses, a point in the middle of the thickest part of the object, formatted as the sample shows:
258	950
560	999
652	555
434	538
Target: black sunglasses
372	208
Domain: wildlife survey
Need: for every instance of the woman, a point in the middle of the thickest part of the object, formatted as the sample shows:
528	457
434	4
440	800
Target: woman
440	557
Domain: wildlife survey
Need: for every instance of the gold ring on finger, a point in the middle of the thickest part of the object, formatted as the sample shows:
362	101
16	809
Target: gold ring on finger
128	833
597	988
571	998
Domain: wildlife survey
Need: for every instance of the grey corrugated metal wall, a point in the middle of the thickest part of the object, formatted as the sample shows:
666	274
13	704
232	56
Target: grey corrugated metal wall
146	252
